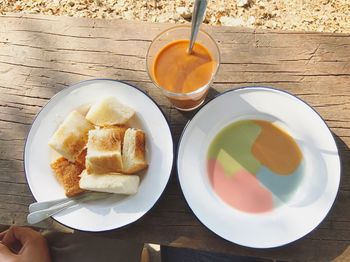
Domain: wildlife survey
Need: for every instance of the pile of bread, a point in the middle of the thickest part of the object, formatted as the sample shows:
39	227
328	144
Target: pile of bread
99	152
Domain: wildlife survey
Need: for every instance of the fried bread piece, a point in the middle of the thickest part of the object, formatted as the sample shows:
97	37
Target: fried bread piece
80	159
67	174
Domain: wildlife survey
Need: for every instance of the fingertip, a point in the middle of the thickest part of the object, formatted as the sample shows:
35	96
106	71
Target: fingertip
24	234
5	252
3	233
14	234
3	246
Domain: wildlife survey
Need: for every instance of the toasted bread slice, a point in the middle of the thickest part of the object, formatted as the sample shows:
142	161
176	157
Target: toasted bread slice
104	150
68	174
108	112
111	183
134	151
71	136
81	158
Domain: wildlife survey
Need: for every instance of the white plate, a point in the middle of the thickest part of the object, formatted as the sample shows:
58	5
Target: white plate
312	198
116	211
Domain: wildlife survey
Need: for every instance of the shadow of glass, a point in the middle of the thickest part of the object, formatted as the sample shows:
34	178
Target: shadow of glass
211	94
190	114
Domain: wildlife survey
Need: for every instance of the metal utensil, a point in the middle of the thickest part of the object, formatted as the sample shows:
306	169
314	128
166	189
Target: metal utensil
47	204
42	210
197	19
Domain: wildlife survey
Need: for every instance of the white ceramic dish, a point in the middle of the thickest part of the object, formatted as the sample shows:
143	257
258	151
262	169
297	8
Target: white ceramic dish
312	198
115	211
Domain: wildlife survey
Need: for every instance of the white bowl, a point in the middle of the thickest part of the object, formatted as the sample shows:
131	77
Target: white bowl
312	198
116	211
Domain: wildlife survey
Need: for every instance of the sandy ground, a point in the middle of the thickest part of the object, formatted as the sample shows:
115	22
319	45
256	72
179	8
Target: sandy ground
300	15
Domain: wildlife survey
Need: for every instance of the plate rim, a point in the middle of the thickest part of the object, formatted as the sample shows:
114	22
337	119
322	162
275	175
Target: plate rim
284	92
72	87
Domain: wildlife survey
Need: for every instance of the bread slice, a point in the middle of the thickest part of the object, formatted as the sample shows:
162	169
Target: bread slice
108	112
134	151
71	136
111	183
68	174
81	158
104	153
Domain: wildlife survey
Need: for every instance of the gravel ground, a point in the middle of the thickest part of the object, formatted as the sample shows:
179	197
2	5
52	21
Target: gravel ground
300	15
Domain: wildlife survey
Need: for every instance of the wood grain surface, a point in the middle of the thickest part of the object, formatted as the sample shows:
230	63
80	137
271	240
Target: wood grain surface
41	55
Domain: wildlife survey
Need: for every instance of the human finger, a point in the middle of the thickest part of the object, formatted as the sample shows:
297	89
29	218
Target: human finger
3	233
5	253
9	238
16	237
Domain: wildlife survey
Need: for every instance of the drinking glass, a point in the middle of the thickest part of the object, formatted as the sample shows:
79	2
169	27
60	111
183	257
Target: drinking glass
191	100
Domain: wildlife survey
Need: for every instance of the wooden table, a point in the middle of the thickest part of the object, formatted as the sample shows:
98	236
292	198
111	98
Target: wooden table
41	55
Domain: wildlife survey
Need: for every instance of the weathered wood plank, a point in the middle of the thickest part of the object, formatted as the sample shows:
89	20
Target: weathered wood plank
39	56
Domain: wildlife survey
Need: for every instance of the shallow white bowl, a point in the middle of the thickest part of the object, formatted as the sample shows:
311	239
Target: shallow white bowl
314	195
116	211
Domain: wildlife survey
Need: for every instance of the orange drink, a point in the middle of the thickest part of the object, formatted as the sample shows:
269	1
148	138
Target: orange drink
184	78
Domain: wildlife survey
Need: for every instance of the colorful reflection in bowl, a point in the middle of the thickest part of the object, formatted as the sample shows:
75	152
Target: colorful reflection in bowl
254	165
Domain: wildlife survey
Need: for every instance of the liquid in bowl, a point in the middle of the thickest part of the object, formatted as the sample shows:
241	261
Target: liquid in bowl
254	165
